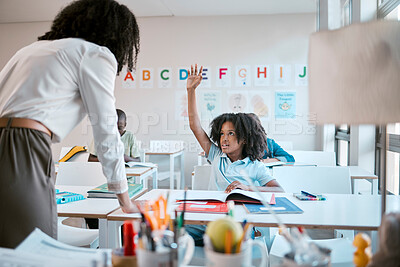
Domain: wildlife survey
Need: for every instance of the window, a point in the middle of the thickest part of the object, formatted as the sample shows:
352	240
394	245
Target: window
342	145
389	10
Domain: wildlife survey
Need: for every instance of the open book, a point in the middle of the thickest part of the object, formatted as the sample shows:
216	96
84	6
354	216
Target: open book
103	192
38	249
132	164
237	195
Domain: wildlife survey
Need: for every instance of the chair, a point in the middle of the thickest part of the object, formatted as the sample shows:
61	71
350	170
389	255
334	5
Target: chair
85	174
319	158
328	180
80	173
75	236
325	180
341	249
79	157
201	177
162	152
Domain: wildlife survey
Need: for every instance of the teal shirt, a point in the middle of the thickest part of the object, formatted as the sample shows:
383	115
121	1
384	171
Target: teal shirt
224	172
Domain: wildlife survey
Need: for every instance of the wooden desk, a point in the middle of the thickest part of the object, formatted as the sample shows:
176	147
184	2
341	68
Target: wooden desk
357	173
97	208
172	154
339	211
142	173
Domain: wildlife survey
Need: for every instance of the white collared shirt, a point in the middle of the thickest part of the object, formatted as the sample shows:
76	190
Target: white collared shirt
224	171
58	83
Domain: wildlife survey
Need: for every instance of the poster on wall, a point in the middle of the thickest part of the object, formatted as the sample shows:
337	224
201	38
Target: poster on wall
209	104
181	106
146	78
164	77
285	105
182	75
128	79
223	77
237	101
282	75
301	75
206	82
242	76
260	103
262	75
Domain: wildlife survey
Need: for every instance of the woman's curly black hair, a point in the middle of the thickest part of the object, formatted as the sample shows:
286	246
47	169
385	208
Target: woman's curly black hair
103	22
247	128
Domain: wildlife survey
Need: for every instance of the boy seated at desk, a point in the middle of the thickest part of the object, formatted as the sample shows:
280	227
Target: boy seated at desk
128	139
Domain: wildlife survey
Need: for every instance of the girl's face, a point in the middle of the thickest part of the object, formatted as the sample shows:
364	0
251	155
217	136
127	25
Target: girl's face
229	142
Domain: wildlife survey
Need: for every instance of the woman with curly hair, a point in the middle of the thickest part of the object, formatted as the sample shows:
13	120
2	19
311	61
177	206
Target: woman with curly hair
46	89
240	140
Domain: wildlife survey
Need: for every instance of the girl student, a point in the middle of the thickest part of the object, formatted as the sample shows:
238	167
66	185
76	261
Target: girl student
240	145
241	141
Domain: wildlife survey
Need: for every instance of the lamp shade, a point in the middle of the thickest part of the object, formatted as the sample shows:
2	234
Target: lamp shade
355	74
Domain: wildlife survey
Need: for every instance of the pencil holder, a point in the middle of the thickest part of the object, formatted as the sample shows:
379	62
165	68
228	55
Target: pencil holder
119	260
241	259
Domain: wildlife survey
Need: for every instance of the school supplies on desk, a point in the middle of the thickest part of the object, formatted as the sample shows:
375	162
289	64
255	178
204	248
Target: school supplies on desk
309	196
65	197
237	195
283	206
103	192
204	206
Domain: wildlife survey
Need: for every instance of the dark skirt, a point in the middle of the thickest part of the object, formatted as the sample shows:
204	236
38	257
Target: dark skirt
27	197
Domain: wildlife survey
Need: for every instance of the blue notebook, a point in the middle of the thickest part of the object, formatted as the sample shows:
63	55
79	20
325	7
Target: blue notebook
283	205
65	197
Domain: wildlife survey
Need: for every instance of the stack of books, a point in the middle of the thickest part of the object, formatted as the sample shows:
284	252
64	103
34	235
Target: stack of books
103	192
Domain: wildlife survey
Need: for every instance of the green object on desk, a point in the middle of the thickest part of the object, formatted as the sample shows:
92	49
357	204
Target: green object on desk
103	192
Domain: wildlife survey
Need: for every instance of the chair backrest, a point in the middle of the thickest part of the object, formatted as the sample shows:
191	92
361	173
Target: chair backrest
201	177
328	180
79	157
286	145
80	173
319	158
166	145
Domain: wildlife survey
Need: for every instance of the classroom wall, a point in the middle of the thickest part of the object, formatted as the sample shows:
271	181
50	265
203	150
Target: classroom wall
212	41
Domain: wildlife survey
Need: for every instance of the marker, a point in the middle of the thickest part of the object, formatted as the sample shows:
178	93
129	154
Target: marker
308	194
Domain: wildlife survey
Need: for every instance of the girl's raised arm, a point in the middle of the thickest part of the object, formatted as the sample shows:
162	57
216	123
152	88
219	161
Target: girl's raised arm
194	79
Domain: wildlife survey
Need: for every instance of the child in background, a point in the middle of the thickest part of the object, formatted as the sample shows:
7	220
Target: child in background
273	152
241	142
388	254
128	139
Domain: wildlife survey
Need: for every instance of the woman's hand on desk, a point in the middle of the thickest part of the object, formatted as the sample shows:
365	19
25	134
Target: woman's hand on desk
126	204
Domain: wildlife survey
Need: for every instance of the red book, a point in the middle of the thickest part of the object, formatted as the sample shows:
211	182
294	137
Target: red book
204	206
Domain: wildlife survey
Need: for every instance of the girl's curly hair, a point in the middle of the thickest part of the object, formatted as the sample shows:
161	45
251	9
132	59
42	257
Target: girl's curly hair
103	22
247	128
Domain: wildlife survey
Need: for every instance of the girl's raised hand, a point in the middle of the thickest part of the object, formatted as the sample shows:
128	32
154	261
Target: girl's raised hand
194	77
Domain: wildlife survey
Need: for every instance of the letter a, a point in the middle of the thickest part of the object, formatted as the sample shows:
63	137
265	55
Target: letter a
128	76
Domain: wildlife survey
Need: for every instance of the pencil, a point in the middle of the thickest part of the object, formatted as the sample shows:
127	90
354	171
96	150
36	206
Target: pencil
228	242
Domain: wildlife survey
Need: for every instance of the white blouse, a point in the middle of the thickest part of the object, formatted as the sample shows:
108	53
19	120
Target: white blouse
58	83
